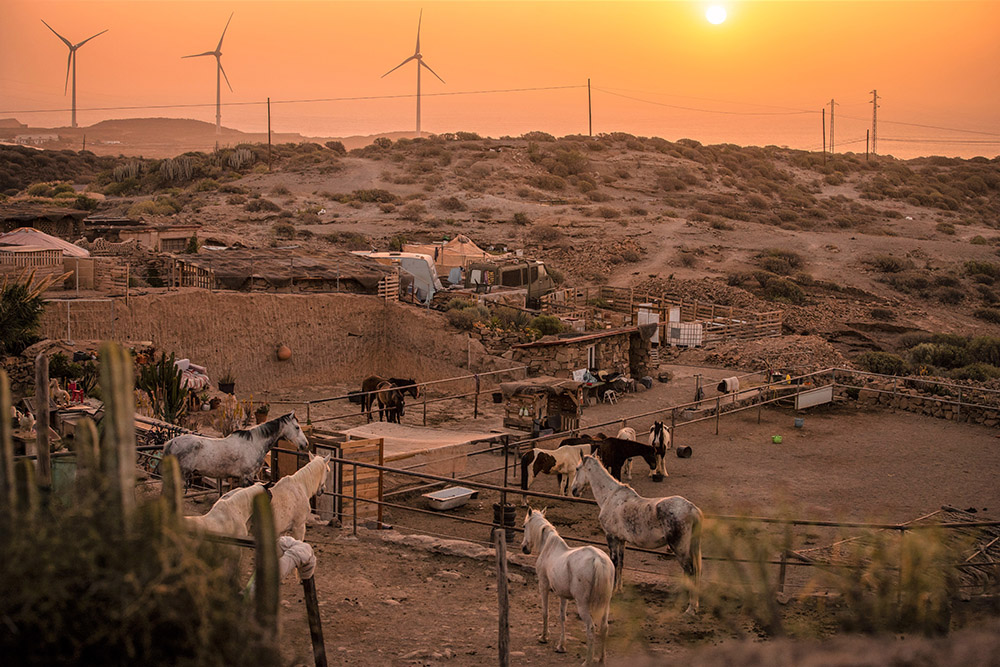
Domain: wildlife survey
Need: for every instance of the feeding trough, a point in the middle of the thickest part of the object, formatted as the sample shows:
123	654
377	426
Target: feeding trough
450	498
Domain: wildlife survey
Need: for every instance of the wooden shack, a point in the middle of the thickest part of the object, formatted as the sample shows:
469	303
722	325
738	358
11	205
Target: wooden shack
542	404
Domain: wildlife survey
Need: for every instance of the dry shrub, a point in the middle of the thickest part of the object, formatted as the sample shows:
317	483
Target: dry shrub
780	261
545	234
888	263
413	211
452	204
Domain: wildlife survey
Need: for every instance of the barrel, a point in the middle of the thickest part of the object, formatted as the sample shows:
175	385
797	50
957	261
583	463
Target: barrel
507	521
799	422
683	452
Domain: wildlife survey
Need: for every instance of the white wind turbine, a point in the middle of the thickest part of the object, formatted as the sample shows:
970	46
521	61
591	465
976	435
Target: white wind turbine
219	73
71	63
420	63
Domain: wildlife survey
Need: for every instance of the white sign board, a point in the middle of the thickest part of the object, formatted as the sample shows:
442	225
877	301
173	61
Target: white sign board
808	399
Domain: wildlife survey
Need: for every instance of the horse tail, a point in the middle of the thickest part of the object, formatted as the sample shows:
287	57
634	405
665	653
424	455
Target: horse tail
695	547
602	586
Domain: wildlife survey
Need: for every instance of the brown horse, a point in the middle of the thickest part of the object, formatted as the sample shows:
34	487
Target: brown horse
368	389
390	402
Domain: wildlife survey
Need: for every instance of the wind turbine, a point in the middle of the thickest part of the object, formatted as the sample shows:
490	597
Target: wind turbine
420	63
71	62
219	73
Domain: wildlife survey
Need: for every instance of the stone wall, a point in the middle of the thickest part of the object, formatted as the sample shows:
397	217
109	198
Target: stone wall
925	403
625	353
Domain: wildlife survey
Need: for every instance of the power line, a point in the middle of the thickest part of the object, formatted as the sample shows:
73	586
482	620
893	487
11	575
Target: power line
726	113
928	127
985	142
709	99
298	101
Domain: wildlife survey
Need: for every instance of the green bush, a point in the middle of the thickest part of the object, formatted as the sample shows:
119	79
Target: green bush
883	363
978	372
888	263
21	308
985	349
547	324
938	354
40	190
782	289
466	318
978	268
991	315
261	205
375	196
521	219
780	261
283	230
337	147
458	304
453	204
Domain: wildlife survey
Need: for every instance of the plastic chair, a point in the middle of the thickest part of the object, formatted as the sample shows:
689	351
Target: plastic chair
75	391
611	396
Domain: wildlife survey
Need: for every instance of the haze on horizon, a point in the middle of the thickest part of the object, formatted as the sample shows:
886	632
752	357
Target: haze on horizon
933	63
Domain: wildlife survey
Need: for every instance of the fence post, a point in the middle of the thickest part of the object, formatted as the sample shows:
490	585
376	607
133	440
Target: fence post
118	445
315	625
718	412
266	565
781	571
173	491
475	409
503	625
308	412
44	451
354	495
8	492
69	337
425	406
958	409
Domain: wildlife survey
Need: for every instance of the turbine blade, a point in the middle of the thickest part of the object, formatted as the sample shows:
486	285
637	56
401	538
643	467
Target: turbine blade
69	61
199	55
219	47
398	66
419	19
223	70
89	38
431	71
64	40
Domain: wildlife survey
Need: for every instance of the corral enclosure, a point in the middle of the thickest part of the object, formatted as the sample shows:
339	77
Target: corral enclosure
334	338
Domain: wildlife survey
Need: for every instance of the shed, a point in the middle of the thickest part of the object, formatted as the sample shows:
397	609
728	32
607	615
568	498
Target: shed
458	252
542	403
626	350
65	223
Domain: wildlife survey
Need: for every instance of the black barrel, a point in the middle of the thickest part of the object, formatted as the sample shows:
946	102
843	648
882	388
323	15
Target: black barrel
683	452
508	519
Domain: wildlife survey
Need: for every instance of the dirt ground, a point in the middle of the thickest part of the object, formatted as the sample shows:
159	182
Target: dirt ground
383	603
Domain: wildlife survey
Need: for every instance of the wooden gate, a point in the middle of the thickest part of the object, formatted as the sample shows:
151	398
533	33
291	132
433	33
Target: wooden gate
368	450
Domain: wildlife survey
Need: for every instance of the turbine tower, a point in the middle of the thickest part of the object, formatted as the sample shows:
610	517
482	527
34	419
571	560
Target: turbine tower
420	63
219	73
71	63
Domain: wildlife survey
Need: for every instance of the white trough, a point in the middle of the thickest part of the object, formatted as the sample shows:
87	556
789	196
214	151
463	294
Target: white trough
450	498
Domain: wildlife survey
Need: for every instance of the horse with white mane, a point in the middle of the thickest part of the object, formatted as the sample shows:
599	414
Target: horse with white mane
290	496
584	574
239	454
559	462
660	439
650	523
230	513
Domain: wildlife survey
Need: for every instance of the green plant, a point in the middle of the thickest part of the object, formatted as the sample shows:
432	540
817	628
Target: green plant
991	315
21	308
547	324
227	378
192	245
162	381
883	363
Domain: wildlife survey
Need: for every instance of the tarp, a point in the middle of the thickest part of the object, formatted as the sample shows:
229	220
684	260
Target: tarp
541	385
458	252
26	236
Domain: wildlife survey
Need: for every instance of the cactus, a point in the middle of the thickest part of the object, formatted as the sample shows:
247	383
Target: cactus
123	172
118	442
176	169
162	382
240	158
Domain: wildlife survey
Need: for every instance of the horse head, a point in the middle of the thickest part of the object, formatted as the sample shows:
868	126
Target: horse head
326	473
580	479
531	519
290	430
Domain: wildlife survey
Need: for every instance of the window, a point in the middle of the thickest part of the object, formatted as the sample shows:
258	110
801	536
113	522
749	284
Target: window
592	357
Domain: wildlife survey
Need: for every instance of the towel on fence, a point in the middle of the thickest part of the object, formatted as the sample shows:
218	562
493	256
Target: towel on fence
729	385
295	554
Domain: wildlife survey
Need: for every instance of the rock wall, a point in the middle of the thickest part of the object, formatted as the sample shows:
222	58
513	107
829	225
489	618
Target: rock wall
925	403
626	353
334	338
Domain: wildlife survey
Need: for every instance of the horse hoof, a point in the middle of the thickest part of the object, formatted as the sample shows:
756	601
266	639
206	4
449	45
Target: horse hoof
543	640
657	478
560	649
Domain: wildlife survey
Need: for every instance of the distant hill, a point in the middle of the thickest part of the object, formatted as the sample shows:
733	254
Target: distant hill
166	137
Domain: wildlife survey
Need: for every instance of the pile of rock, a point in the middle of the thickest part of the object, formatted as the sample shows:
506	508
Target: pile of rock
802	354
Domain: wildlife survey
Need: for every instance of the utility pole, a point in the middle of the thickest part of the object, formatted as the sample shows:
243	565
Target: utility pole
84	143
269	134
832	148
824	134
874	122
590	112
867	137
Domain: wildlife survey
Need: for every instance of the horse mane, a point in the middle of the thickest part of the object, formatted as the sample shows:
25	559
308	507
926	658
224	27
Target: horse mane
267	430
304	475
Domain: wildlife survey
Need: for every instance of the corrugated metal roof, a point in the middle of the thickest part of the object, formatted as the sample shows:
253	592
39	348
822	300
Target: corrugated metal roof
26	236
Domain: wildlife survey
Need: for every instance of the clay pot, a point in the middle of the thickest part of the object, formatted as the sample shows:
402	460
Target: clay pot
284	352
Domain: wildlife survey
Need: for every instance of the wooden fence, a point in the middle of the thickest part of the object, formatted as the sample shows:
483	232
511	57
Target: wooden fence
718	322
388	287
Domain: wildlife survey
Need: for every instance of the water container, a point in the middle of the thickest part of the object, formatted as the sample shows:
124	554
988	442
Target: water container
799	422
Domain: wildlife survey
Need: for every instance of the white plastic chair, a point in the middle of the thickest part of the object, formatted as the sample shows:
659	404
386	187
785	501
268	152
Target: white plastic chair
611	396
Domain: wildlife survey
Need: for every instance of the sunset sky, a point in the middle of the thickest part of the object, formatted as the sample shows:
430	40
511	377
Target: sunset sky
933	63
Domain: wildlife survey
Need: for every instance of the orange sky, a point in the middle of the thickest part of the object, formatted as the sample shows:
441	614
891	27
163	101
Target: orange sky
934	63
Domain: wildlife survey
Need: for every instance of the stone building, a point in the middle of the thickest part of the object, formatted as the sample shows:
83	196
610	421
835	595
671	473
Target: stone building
625	350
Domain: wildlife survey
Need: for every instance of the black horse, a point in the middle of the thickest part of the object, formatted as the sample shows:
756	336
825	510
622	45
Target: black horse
373	384
406	386
614	452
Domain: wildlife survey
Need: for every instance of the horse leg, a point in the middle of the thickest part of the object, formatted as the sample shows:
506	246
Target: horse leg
613	551
602	632
543	589
559	480
299	530
561	646
627	470
588	622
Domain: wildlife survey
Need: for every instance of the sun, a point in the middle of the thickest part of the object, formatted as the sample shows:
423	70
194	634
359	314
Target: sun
715	14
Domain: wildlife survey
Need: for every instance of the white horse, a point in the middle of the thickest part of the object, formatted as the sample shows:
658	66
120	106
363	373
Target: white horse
240	454
230	513
290	496
558	462
584	574
650	523
661	439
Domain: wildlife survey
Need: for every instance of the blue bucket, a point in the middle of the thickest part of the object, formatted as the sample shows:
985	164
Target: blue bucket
799	422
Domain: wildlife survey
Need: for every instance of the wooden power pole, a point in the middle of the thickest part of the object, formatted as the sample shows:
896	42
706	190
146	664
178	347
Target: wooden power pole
590	113
824	135
269	134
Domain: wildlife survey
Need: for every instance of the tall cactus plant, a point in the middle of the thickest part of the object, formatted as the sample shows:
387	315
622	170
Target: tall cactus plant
162	381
